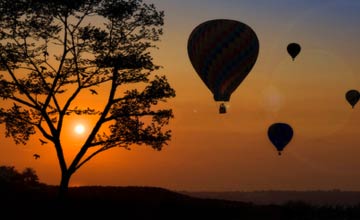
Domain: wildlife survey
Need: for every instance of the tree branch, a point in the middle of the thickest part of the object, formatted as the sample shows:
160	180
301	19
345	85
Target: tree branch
91	156
36	69
113	117
58	73
23	102
44	133
11	73
98	124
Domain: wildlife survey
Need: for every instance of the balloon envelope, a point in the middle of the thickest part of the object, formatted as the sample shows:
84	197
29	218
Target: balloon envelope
352	96
280	134
222	53
293	49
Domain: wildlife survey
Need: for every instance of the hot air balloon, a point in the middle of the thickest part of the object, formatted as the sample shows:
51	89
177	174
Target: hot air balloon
293	49
222	52
352	96
280	134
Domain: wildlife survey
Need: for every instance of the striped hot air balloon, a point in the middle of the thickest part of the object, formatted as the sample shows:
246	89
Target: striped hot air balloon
223	52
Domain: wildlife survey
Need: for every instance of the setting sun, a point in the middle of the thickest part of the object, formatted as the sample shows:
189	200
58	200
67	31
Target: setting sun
79	129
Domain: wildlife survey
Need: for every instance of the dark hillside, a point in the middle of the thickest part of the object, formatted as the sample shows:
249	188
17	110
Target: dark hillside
110	202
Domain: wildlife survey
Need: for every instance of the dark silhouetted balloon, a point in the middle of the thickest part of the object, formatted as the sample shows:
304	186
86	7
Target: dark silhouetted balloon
280	134
352	96
222	52
293	49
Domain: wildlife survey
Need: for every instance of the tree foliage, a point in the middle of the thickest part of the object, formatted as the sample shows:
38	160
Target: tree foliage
53	50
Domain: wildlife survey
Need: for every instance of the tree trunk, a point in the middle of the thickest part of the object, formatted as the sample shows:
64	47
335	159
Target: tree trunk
64	185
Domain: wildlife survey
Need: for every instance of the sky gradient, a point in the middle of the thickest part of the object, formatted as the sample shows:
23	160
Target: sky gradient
209	151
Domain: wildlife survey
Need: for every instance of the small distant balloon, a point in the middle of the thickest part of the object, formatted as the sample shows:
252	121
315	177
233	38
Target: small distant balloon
293	49
280	134
352	96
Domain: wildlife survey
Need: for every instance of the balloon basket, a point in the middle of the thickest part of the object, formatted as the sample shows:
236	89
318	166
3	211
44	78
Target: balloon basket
222	108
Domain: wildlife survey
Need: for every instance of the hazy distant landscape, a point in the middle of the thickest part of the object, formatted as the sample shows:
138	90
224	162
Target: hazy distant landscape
320	197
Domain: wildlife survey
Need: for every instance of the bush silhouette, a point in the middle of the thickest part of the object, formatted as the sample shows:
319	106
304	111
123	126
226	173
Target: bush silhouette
11	179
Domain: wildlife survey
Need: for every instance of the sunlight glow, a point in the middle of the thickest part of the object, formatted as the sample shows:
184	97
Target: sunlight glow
79	129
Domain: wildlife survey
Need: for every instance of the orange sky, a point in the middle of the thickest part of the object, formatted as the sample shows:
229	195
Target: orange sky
209	151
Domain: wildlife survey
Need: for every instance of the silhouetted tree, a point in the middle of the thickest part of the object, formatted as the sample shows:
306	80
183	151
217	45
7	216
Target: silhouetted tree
30	177
52	50
10	178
